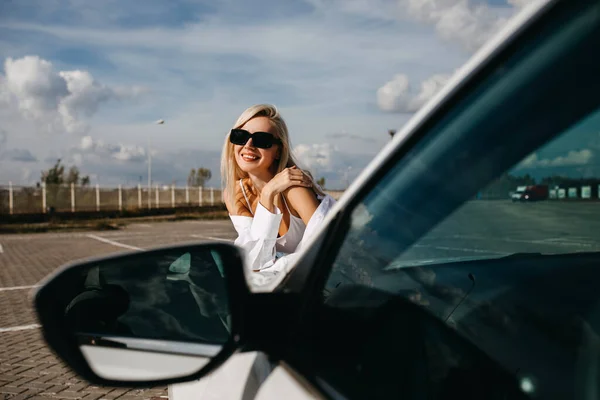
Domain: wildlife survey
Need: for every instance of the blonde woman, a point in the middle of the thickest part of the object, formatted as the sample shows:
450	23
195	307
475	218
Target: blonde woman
270	200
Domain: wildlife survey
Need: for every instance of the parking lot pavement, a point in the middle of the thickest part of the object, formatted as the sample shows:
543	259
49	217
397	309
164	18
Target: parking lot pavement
500	228
28	369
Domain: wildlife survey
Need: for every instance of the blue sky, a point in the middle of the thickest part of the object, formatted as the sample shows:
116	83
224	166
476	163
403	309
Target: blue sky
84	81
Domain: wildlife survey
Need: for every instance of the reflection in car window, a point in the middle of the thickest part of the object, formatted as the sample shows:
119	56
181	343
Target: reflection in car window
553	212
510	270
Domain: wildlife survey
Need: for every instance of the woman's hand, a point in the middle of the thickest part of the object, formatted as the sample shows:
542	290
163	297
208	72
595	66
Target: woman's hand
284	180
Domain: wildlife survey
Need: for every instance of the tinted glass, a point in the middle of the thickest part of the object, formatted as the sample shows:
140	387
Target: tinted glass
493	234
175	295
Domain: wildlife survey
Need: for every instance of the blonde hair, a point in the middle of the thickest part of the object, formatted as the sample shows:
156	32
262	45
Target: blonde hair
231	173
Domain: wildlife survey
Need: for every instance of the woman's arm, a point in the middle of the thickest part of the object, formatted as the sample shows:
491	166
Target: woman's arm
303	201
281	183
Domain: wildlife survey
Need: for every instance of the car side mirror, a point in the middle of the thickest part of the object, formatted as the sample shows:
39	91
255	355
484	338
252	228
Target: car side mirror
145	318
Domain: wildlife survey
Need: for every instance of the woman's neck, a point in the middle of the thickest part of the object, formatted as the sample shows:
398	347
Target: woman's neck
262	178
259	182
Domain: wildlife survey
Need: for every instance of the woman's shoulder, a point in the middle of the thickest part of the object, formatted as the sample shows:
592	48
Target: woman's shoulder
298	191
239	205
302	201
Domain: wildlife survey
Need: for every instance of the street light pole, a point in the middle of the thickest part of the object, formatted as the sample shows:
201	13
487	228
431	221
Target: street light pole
149	176
159	122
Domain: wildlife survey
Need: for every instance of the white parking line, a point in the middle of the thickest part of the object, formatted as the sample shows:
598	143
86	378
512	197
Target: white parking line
124	235
125	246
1	249
20	328
4	289
212	238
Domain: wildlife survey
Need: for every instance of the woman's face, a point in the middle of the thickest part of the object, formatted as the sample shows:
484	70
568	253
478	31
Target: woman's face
253	160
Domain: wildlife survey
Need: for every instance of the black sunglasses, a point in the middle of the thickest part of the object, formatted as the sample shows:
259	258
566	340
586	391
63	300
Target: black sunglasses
262	140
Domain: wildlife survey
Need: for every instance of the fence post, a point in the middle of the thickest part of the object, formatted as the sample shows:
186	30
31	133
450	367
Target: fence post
157	198
172	196
120	198
212	196
44	197
72	197
187	194
10	197
97	197
200	197
139	196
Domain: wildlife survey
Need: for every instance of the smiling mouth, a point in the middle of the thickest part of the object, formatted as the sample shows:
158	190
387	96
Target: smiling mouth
249	157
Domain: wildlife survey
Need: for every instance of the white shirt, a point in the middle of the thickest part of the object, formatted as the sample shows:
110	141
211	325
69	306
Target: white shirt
258	236
266	254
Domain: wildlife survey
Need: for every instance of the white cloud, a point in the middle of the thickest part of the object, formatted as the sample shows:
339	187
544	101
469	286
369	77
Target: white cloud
572	158
35	87
319	157
90	147
521	3
459	21
87	143
325	160
375	9
393	95
360	217
581	157
428	89
398	95
56	100
83	99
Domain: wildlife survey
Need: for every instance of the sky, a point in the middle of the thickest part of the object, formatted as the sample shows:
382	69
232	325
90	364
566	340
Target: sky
85	81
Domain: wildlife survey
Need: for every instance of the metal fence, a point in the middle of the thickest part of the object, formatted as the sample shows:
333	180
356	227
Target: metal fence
72	198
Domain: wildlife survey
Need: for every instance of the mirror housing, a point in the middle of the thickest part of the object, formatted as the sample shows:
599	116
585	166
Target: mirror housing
138	319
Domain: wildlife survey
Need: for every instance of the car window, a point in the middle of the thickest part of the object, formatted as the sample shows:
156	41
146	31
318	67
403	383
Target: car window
547	203
489	226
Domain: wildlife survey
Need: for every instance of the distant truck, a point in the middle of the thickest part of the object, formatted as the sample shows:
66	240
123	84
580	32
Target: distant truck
530	193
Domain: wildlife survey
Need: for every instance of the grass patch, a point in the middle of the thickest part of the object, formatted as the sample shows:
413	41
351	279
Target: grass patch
210	215
109	224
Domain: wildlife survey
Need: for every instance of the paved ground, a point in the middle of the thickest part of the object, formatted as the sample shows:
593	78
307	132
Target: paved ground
499	228
28	369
